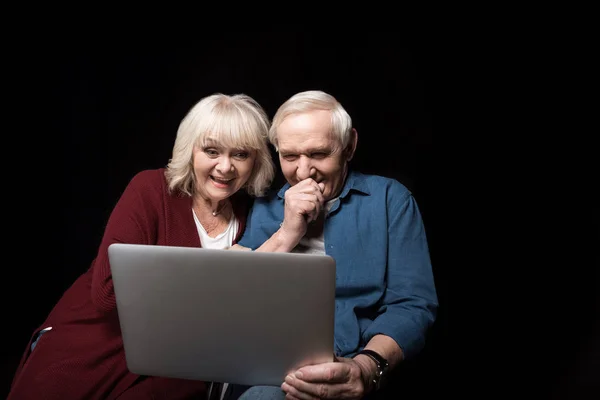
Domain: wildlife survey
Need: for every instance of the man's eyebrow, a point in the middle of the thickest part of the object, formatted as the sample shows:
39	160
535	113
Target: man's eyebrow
286	151
320	149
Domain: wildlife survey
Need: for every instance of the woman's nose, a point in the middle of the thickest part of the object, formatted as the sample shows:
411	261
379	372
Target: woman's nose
224	165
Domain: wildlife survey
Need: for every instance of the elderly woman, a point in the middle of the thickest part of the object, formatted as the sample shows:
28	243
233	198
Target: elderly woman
220	160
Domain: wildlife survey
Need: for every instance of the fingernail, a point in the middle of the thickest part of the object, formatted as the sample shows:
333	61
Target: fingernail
289	379
298	375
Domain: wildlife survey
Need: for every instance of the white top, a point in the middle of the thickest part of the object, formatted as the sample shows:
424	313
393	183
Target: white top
223	240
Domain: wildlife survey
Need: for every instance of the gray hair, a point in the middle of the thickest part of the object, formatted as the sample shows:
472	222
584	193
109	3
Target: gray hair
341	123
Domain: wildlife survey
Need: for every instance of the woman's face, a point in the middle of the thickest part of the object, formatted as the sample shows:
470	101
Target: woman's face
221	171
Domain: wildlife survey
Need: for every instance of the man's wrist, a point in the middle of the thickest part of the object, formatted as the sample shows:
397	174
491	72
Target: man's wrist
286	241
281	241
381	367
368	371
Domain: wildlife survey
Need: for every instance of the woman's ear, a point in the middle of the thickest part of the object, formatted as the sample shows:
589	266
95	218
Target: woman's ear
351	148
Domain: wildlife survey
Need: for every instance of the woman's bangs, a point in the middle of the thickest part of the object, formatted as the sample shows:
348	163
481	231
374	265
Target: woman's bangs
232	132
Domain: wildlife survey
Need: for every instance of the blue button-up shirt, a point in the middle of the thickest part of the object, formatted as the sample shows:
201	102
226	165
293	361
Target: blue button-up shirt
384	279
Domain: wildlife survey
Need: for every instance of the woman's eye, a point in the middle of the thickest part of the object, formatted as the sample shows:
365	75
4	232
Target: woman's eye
241	155
211	152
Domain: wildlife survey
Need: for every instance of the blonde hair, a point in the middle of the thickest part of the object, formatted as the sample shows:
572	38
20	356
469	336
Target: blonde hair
341	123
235	121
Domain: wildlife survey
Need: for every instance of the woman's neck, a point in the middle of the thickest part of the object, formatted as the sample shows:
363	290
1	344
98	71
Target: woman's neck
206	206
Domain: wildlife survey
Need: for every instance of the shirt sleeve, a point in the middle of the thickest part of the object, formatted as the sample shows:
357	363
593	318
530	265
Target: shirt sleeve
260	225
133	220
409	305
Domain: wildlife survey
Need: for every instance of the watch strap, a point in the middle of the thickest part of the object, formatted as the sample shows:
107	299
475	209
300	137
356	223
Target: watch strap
382	365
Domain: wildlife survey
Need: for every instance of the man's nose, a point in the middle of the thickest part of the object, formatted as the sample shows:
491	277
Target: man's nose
305	168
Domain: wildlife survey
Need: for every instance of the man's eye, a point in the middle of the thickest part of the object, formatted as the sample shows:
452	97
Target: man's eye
289	157
318	155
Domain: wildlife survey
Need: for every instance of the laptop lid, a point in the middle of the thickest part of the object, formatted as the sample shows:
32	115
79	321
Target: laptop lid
239	317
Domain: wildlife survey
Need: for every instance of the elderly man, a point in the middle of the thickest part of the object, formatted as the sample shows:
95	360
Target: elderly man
386	299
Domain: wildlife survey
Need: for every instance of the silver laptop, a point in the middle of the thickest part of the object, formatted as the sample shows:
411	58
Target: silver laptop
239	317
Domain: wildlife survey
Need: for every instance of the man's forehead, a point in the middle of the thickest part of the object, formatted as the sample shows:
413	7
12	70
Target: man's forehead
307	144
306	131
308	119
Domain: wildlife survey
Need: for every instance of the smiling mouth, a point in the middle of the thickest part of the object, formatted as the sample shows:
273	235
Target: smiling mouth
221	180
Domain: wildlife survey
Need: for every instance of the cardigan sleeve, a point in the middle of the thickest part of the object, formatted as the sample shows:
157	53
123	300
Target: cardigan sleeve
134	219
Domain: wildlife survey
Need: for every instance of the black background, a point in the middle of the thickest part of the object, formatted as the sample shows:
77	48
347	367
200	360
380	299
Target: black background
96	114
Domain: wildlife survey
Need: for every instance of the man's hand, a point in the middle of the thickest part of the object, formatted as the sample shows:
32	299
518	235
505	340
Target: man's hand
344	379
303	204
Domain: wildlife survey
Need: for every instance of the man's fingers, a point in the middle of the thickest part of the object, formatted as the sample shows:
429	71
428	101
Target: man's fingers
306	198
319	193
292	393
290	397
297	388
331	372
322	381
312	187
312	197
307	204
308	184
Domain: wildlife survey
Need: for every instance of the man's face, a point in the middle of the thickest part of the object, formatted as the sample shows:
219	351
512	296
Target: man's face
307	149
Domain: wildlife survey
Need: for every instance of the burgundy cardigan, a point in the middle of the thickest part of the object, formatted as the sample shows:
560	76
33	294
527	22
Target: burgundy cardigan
82	357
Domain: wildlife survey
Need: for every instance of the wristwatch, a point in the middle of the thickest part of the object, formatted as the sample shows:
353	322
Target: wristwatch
382	366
